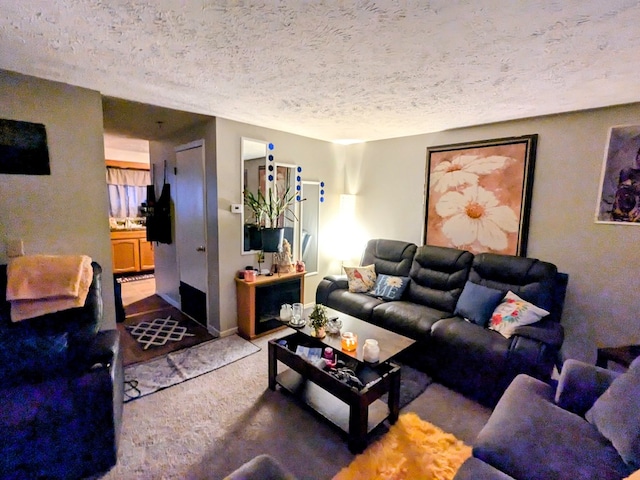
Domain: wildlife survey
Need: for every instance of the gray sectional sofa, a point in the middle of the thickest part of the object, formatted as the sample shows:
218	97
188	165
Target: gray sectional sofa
587	428
463	355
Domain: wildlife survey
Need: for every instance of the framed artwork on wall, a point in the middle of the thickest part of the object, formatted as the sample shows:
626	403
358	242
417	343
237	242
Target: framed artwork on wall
478	195
23	148
619	194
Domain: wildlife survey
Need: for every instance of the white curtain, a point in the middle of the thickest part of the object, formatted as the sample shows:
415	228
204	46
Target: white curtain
127	191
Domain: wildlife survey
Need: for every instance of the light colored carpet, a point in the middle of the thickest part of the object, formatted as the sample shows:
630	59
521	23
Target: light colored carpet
207	427
412	449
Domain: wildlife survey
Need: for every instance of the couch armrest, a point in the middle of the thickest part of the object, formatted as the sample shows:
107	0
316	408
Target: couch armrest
545	331
103	350
328	284
580	384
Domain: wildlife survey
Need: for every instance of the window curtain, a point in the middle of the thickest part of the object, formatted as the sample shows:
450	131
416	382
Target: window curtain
127	191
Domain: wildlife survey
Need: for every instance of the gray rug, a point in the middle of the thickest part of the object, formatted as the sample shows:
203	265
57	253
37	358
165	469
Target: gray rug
159	373
412	383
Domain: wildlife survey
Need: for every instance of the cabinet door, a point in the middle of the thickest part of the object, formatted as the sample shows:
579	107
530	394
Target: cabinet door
126	255
146	255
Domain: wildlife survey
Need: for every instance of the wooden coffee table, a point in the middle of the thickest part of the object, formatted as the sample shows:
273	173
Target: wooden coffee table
355	410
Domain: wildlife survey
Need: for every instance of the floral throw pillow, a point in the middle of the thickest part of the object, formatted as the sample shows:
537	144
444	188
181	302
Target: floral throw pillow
514	312
388	287
361	279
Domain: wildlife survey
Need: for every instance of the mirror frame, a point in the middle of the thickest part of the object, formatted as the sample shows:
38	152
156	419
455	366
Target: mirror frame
243	154
316	240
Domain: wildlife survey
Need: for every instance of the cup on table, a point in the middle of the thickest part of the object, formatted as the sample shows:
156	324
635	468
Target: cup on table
349	341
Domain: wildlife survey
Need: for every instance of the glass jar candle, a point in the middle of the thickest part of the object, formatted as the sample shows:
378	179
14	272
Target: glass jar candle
371	351
349	341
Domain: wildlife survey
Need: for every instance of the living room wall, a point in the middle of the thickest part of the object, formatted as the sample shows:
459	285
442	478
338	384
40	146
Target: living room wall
320	161
65	212
602	302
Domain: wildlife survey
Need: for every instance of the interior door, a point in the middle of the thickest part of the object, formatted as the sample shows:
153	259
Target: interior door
191	232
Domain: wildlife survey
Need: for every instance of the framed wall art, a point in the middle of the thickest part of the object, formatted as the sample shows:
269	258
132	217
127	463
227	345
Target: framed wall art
619	194
23	148
478	195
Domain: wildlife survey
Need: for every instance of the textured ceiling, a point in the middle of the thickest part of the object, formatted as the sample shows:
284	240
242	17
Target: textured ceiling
336	69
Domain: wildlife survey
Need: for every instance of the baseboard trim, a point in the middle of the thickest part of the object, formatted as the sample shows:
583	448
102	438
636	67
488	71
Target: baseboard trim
169	300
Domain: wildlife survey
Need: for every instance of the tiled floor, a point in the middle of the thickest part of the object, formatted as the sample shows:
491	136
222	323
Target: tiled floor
141	304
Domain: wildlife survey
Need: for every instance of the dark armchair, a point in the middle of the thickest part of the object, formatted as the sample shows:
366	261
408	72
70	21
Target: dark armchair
61	391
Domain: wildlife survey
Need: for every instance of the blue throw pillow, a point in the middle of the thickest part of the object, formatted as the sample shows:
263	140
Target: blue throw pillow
388	287
477	303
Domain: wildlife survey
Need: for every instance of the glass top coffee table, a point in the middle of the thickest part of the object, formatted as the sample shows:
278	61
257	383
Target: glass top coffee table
356	409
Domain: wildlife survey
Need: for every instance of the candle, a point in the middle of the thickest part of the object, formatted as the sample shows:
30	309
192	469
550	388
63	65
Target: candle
349	341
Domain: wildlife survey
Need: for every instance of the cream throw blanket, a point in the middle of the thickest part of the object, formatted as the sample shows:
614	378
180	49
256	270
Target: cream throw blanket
41	284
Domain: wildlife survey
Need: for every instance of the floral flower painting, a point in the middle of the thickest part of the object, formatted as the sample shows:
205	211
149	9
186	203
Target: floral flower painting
478	195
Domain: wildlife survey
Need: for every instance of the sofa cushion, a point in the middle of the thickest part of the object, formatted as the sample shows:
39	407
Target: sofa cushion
406	318
359	305
528	436
616	414
438	275
514	312
361	279
31	355
477	303
529	278
389	287
391	257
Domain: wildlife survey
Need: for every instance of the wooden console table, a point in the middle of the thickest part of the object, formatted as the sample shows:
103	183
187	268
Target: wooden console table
259	301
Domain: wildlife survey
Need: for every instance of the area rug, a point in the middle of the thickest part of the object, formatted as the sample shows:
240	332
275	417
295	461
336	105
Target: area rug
134	278
159	373
158	332
412	383
411	449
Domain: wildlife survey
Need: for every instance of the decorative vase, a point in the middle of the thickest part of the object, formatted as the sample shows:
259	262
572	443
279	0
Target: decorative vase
319	332
371	351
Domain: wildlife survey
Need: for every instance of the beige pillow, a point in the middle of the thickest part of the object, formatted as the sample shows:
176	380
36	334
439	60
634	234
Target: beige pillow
361	279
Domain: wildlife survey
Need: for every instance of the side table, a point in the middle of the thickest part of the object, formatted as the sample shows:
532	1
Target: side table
621	355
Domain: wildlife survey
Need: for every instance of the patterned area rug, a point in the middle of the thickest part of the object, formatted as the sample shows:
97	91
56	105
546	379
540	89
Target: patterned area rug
411	449
158	332
135	278
162	372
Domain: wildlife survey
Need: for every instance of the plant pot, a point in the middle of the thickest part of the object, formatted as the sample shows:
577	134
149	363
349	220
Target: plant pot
272	239
254	235
319	332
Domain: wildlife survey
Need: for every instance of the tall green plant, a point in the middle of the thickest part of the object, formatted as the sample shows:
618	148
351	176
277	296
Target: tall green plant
273	208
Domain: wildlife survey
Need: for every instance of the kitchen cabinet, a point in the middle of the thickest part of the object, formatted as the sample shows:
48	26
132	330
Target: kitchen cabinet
131	251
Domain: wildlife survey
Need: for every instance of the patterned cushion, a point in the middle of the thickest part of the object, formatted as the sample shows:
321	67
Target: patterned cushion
477	303
514	312
361	279
389	287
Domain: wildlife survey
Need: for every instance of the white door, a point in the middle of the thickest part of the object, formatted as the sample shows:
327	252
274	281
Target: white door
191	233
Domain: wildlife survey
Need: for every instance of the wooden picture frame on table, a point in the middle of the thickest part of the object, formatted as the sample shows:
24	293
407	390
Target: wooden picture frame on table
478	195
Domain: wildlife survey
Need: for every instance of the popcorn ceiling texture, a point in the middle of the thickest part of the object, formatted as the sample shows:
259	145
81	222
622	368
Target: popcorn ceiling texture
336	69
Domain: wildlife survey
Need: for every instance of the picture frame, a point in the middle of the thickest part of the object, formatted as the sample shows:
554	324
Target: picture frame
478	195
619	193
23	148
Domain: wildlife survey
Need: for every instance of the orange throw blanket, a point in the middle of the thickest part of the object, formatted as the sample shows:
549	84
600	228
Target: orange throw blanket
41	284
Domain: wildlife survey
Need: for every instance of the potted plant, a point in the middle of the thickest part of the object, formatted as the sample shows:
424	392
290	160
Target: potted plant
318	319
253	226
269	211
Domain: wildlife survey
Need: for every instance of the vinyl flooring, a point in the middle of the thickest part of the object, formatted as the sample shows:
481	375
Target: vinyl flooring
140	305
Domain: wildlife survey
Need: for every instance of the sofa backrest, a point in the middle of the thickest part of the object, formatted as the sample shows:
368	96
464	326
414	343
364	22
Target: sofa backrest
529	278
438	275
391	257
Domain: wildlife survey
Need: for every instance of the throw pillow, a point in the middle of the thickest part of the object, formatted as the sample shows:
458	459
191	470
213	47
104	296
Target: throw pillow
477	303
514	312
388	287
361	279
615	414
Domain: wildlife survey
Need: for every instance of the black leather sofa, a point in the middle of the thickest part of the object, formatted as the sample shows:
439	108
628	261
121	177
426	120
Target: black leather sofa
467	357
61	391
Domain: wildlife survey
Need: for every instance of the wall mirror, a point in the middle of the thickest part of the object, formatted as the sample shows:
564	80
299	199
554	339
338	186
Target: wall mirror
286	181
310	226
253	164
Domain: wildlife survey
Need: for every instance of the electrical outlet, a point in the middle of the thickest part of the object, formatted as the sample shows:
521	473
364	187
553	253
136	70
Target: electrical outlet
15	248
236	207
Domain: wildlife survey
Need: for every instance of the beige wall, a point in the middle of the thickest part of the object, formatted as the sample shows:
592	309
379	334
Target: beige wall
65	212
319	160
602	260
